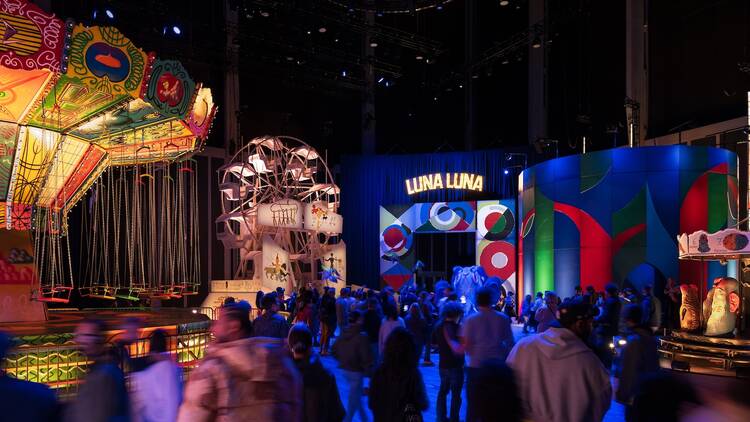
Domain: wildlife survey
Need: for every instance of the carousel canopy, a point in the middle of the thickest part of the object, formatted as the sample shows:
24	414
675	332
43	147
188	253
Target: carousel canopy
75	100
724	244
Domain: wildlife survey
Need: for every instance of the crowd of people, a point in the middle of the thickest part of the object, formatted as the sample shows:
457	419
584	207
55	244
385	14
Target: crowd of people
269	368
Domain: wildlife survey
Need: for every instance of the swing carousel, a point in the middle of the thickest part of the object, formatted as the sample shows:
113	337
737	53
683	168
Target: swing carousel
83	111
89	119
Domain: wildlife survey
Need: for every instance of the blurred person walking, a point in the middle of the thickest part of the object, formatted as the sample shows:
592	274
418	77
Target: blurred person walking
156	391
546	315
607	325
242	378
103	395
638	359
417	326
321	399
354	354
397	390
343	303
327	319
390	322
451	365
526	313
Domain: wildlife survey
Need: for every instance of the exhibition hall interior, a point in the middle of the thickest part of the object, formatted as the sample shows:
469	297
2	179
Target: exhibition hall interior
374	210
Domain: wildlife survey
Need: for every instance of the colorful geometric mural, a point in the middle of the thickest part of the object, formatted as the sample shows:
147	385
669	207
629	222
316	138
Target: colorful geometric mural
493	221
496	240
601	217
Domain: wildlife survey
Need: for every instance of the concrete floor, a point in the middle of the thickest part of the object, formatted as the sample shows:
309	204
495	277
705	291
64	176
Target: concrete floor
432	384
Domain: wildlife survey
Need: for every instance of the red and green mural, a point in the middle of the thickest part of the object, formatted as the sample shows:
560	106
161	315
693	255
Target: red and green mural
614	216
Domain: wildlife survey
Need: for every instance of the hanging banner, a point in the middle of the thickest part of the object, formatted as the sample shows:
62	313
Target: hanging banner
276	269
286	213
319	218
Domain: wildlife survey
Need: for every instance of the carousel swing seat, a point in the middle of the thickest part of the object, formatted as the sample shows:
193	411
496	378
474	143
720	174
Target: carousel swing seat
98	292
128	293
57	294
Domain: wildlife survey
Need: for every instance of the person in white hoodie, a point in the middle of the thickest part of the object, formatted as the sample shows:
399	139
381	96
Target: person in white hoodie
559	377
156	391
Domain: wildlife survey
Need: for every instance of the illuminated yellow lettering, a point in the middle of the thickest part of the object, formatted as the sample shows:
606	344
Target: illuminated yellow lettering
437	182
409	190
478	184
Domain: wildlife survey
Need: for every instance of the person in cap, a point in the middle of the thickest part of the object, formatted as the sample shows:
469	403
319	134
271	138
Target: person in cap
559	377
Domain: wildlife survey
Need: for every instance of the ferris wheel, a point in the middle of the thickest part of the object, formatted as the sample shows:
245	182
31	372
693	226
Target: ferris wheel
279	207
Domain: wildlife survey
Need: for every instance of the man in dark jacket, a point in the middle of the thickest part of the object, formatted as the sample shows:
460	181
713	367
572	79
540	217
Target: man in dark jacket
352	350
322	402
607	325
371	324
270	324
24	400
103	396
327	319
638	358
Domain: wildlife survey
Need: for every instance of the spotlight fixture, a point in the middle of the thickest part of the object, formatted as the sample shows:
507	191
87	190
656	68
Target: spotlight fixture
506	170
475	76
343	73
322	30
434	98
439	7
176	29
265	14
536	43
419	57
109	13
373	44
309	32
387	83
289	58
461	86
504	2
381	80
336	40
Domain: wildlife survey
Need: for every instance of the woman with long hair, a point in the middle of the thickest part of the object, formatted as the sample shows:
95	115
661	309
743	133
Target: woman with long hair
397	390
417	326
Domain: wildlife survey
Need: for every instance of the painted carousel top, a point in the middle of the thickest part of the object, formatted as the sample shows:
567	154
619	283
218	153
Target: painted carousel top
723	245
75	100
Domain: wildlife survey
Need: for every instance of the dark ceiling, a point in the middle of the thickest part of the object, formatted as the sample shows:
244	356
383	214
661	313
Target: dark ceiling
301	66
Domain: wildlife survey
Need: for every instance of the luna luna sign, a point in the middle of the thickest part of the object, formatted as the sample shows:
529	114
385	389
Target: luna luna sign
466	181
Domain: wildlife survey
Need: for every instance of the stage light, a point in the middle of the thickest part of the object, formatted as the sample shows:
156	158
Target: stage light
109	13
461	86
504	2
343	73
336	40
289	58
419	57
176	29
373	44
265	14
622	342
536	43
387	83
322	29
309	32
94	14
505	171
381	79
439	7
434	98
195	311
505	61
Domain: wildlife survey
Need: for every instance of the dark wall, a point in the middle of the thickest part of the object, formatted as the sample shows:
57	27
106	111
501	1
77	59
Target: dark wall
695	48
